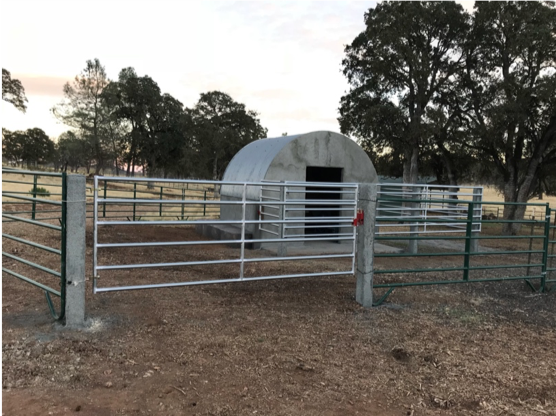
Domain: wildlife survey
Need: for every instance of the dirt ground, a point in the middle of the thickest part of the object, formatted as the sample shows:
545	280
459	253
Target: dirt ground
277	347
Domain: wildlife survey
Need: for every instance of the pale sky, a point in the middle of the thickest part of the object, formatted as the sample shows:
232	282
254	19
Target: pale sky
281	59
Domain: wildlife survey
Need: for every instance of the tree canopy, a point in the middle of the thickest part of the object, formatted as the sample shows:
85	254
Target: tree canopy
510	85
13	91
130	123
82	109
408	53
432	85
32	146
221	127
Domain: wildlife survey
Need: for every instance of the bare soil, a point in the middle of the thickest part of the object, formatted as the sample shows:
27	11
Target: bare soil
276	347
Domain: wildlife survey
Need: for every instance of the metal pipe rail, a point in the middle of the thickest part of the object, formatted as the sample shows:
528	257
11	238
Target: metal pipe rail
15	199
513	262
269	206
426	202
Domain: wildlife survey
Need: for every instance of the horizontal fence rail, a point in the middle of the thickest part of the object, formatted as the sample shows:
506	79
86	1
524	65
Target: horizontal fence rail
434	208
293	210
34	200
223	207
132	199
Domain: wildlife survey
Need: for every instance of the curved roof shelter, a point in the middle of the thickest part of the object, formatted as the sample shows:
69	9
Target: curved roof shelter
320	156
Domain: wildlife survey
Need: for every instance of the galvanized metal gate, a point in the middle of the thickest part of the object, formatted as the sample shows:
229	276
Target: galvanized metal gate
241	222
332	204
37	199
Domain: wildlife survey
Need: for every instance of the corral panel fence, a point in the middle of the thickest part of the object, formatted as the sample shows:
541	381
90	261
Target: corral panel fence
497	257
435	209
31	201
229	218
131	193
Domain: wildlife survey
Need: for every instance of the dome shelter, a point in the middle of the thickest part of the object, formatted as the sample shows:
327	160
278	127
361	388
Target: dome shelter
320	156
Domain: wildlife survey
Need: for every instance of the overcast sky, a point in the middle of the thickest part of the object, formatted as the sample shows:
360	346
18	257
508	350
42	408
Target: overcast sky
281	59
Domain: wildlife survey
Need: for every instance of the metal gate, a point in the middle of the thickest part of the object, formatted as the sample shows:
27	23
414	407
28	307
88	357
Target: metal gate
241	223
37	199
334	204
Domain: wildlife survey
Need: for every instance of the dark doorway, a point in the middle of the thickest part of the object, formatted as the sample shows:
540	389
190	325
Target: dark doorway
321	174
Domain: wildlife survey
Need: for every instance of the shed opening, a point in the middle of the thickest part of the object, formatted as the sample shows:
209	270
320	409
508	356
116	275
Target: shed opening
322	174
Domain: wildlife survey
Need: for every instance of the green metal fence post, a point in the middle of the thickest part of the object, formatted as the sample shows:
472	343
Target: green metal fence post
553	211
104	205
134	198
160	208
205	205
468	236
34	196
63	247
530	247
545	248
182	205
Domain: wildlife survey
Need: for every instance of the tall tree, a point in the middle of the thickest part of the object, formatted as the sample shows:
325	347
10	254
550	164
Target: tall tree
222	127
155	122
13	91
83	109
511	92
73	151
407	54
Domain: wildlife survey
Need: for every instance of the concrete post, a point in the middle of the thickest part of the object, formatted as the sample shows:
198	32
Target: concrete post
477	198
365	245
75	251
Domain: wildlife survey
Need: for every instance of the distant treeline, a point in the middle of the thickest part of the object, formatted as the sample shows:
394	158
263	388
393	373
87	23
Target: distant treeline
129	123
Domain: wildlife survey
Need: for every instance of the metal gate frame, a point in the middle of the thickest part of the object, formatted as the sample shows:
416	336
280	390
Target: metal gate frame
348	204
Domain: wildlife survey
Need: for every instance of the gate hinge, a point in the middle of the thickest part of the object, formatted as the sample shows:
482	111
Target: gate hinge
359	219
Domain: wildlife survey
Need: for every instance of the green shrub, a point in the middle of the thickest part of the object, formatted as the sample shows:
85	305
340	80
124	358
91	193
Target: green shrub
39	191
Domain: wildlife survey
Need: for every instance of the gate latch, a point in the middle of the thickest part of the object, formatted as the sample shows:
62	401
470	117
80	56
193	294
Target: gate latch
359	219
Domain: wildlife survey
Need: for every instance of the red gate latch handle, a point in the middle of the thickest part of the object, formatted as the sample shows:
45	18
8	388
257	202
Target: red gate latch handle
359	219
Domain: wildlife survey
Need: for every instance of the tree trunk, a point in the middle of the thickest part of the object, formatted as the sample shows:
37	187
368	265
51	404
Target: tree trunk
414	169
406	170
215	168
514	192
510	211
